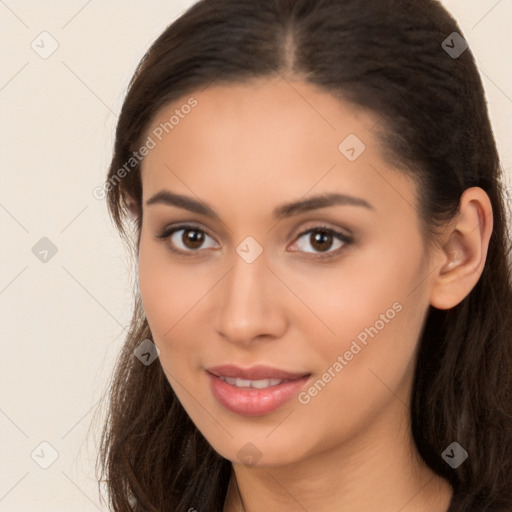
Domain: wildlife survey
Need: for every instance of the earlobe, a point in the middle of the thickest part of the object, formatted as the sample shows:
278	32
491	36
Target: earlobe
461	259
132	208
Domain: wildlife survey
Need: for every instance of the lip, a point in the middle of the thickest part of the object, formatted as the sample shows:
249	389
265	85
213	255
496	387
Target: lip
253	401
254	372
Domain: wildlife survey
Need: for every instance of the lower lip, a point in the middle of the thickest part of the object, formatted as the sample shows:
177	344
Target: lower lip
252	401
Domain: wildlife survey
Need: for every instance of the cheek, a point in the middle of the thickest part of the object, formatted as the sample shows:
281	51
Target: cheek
173	295
159	300
164	295
374	305
366	368
365	289
167	290
163	300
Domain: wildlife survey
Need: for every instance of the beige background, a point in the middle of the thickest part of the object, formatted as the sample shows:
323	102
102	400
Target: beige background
63	320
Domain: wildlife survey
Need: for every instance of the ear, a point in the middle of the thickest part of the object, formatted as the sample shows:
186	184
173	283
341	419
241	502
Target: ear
461	260
132	207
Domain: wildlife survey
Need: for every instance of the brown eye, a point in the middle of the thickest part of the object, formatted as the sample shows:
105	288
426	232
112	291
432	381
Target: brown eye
192	238
186	239
321	240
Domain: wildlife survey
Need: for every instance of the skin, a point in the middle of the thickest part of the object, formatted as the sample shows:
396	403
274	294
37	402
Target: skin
245	149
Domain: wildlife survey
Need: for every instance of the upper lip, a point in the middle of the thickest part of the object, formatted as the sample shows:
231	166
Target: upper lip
258	372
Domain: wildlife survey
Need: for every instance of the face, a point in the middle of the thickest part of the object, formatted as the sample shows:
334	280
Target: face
333	290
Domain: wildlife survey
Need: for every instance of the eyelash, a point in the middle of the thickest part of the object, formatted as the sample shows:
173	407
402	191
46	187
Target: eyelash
347	240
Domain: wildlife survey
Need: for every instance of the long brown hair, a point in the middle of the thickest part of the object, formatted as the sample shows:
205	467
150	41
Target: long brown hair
388	56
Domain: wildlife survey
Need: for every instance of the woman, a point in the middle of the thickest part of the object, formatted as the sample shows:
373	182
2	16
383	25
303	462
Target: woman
323	319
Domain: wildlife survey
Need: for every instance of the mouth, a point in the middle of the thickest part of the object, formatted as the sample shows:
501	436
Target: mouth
254	373
256	384
254	391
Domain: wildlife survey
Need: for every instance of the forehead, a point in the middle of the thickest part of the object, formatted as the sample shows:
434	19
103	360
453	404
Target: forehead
261	120
264	140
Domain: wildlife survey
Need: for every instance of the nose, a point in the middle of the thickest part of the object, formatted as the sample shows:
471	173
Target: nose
251	303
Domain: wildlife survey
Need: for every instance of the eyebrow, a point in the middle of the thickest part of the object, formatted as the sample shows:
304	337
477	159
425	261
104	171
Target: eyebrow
169	198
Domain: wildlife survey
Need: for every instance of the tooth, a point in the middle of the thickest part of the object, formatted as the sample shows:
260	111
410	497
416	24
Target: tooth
261	384
258	384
